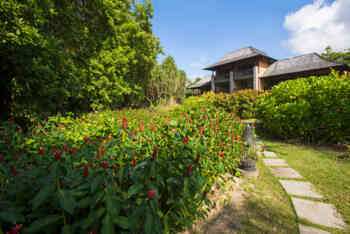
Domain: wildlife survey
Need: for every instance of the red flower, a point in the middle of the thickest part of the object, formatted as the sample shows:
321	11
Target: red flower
134	161
222	155
153	128
189	170
124	123
191	122
41	151
16	157
86	139
104	185
93	232
201	130
14	171
104	164
155	152
65	148
104	151
15	230
98	155
116	185
86	170
133	134
141	127
1	158
185	140
71	151
57	155
151	194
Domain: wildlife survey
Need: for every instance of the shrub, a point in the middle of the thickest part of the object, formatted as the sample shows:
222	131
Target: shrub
115	172
312	109
242	103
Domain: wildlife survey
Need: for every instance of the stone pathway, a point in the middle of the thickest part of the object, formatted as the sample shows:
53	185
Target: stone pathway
313	211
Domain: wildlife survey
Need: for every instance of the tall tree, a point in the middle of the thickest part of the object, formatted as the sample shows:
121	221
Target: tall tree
337	56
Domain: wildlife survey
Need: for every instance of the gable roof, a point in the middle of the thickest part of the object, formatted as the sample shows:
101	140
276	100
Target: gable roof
244	53
302	63
203	82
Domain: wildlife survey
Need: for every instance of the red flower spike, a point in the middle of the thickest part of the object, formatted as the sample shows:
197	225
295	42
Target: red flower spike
86	139
16	157
153	128
141	127
191	122
104	164
98	155
222	155
57	155
71	151
93	232
189	170
86	170
151	194
41	151
49	169
116	185
185	140
104	185
134	161
155	152
104	151
124	123
133	134
14	171
1	158
201	130
65	148
15	230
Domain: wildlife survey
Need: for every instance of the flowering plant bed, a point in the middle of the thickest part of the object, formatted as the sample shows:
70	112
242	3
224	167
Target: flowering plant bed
115	171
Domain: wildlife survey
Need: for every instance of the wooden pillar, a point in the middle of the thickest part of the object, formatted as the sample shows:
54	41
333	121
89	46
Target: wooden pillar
255	78
213	82
232	84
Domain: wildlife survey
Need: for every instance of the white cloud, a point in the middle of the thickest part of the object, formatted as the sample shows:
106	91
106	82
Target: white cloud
203	60
318	25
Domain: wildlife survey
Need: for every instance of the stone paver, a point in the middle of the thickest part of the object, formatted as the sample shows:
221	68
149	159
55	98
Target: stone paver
299	188
318	213
283	172
275	162
269	154
311	230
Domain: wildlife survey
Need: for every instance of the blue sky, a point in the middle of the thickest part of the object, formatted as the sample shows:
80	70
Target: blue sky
199	32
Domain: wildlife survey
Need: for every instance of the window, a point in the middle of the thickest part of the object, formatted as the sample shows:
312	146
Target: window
227	75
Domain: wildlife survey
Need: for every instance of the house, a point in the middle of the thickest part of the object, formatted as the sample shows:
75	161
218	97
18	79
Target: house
202	86
250	68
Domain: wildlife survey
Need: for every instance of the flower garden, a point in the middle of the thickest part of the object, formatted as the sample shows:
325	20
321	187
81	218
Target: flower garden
115	171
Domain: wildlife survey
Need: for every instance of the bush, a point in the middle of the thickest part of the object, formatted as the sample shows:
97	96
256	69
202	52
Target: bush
314	109
115	172
242	103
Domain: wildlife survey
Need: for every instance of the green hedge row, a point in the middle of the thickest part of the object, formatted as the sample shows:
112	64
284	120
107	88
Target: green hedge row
241	103
314	109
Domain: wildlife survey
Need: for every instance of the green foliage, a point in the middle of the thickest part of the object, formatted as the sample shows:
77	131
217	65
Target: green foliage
167	82
340	57
130	171
61	56
241	103
312	109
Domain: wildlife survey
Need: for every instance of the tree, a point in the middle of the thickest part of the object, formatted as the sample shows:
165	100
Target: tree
340	56
74	55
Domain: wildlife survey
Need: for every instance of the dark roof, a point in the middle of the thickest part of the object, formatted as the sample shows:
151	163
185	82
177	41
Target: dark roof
203	82
244	53
302	63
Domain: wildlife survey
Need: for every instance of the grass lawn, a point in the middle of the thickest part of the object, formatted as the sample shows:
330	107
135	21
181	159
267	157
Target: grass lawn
327	169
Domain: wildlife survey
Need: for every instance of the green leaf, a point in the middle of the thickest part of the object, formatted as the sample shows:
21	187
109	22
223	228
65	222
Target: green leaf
134	189
39	224
11	216
149	223
67	201
121	221
97	182
108	227
42	195
67	229
112	205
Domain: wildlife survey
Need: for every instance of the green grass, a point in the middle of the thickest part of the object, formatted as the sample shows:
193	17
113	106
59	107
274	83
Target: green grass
327	169
268	207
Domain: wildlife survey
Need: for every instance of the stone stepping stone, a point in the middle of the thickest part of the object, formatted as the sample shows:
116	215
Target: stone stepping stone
310	230
299	188
283	172
318	213
269	154
275	162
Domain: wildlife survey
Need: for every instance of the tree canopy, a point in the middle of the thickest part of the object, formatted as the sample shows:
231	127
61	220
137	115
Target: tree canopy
77	55
337	56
